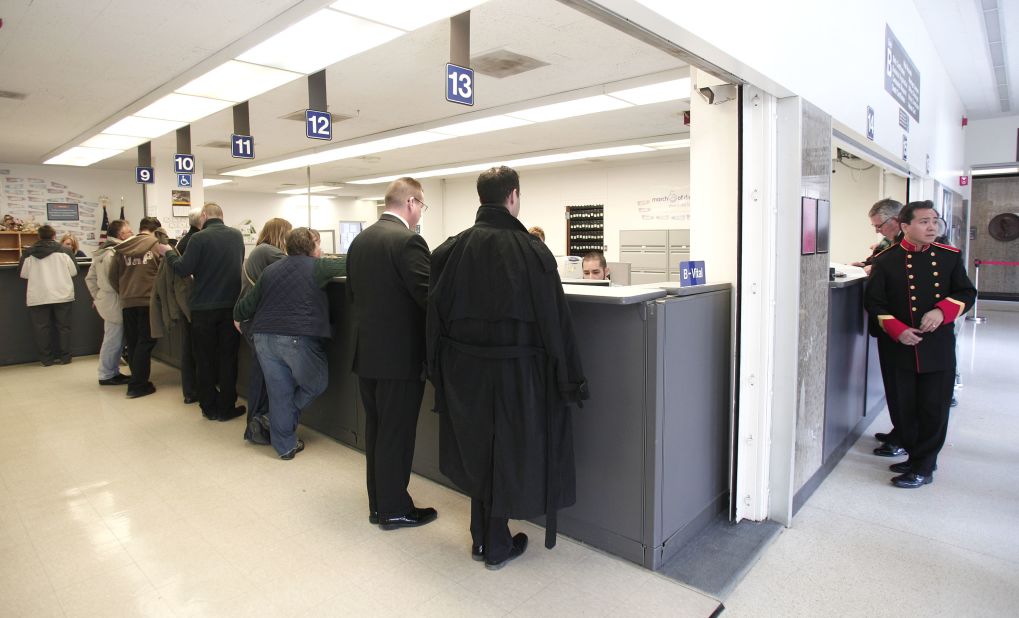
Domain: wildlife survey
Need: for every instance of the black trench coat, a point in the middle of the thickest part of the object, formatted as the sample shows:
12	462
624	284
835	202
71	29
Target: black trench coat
506	369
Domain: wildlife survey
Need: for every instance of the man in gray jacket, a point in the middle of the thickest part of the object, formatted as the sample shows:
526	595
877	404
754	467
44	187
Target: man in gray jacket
107	303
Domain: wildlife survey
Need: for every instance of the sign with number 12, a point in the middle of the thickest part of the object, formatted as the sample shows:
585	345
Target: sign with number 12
459	84
318	125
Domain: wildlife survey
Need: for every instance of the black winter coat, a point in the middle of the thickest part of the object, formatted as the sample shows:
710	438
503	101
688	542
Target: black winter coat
506	368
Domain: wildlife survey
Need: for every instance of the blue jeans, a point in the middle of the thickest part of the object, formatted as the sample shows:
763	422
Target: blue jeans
296	372
109	353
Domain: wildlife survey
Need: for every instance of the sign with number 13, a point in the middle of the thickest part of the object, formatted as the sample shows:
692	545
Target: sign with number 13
459	84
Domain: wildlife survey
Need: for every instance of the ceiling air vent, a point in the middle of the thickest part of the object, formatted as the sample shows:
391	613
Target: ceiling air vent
504	63
7	94
216	144
299	116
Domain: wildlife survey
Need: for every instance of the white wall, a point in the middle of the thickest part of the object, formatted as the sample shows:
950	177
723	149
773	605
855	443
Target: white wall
853	192
622	186
27	188
992	140
831	53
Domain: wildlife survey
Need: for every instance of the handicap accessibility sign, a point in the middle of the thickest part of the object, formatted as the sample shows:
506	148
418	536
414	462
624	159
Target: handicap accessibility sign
184	181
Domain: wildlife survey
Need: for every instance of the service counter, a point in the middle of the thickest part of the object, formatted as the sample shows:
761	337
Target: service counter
17	341
652	442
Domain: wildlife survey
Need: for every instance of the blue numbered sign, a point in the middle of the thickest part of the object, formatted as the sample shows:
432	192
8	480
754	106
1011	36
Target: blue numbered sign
692	273
144	175
242	146
183	164
318	125
459	84
184	181
870	123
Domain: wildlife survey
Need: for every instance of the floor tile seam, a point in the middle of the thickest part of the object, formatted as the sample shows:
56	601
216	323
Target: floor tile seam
38	557
913	534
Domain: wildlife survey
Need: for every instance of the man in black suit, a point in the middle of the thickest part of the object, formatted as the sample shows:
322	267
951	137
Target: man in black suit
387	284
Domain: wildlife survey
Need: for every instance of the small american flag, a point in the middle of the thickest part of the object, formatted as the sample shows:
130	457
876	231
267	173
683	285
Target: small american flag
105	227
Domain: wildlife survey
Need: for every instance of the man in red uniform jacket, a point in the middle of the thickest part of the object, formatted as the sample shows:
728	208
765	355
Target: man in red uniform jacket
917	289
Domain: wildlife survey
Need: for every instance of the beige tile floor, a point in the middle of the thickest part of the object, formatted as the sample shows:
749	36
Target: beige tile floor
116	507
861	547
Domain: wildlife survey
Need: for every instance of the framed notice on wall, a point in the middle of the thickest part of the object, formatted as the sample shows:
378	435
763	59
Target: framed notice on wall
808	226
56	211
823	225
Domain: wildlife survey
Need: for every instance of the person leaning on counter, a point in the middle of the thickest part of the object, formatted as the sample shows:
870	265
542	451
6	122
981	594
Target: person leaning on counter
917	289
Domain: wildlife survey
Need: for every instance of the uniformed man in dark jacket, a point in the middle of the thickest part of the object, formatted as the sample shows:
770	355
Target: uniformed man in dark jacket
506	368
917	289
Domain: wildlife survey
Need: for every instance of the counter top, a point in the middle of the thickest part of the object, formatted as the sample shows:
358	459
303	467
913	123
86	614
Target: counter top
848	280
621	295
673	289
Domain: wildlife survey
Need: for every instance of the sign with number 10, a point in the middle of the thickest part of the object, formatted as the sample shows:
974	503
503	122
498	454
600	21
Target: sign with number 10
318	125
459	84
183	164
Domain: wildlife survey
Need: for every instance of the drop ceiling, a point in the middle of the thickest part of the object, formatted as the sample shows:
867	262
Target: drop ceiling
135	52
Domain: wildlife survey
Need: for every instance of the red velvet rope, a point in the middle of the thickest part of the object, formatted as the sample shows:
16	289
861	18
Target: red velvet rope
994	263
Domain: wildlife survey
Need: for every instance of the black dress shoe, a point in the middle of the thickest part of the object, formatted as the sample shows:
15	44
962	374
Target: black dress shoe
117	380
416	517
912	480
477	552
294	451
890	450
883	437
146	389
519	547
373	517
955	402
189	399
231	414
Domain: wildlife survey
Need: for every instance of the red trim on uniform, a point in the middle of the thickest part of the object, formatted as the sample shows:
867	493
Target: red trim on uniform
951	308
908	246
892	326
949	247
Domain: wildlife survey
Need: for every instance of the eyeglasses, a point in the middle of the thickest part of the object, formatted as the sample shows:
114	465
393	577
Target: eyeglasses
424	207
877	228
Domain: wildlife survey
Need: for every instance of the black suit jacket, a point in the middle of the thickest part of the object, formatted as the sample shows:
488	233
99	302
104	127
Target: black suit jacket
387	284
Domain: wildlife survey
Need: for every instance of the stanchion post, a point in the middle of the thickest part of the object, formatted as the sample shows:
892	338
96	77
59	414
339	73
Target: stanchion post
975	317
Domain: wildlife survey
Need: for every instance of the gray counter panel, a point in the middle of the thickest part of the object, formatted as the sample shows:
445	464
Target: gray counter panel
17	344
846	379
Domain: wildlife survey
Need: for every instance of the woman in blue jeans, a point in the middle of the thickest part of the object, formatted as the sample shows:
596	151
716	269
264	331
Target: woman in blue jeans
289	314
270	247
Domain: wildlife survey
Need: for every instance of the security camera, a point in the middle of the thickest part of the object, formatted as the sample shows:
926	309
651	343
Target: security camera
716	95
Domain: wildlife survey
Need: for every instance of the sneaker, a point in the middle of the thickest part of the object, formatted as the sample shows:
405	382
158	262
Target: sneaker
255	433
294	451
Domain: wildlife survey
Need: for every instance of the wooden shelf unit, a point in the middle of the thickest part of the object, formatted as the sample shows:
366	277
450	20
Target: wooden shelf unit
13	243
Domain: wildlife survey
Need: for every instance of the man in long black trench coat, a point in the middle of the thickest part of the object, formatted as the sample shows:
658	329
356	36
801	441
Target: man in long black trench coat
505	365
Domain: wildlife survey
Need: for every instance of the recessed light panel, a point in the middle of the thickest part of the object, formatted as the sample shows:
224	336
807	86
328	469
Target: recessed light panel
405	15
237	81
183	107
674	90
570	109
81	156
114	142
134	126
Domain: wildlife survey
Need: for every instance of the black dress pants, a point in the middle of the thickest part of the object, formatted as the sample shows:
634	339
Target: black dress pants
46	319
188	383
139	342
492	533
888	378
924	401
391	416
215	346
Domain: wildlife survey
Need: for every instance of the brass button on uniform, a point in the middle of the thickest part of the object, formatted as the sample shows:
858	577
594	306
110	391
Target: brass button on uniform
909	255
937	296
914	308
912	287
932	253
911	276
935	273
912	298
937	285
934	263
909	266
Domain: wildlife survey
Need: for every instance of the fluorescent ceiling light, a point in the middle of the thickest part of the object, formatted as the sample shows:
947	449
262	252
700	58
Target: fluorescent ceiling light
481	125
82	156
673	90
113	142
212	182
676	143
570	109
995	170
514	163
320	40
376	198
183	107
306	190
237	81
405	15
134	126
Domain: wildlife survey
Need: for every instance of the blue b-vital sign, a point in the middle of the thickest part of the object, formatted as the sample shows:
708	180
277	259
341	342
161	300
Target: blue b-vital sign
692	273
459	84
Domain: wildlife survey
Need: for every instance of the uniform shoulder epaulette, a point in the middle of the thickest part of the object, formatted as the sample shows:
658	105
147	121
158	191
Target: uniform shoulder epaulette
949	247
886	250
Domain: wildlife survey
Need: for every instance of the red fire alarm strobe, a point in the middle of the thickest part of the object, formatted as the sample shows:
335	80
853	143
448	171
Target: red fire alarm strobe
963	181
965	121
